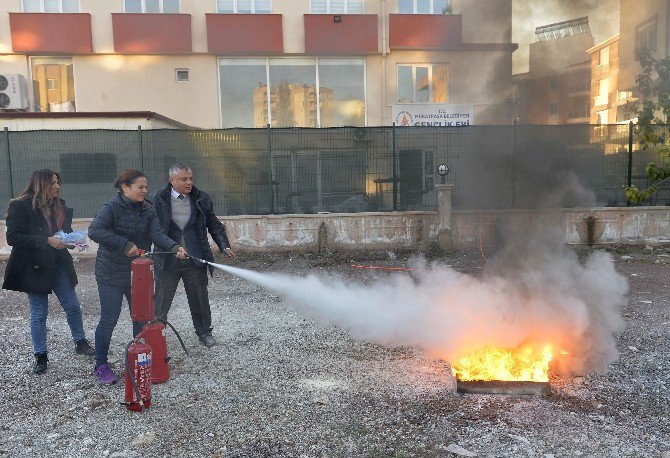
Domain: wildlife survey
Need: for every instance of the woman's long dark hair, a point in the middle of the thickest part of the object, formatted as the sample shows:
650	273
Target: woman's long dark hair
37	191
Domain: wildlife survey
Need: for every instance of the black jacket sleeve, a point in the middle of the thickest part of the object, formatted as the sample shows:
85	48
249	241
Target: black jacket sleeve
18	228
216	229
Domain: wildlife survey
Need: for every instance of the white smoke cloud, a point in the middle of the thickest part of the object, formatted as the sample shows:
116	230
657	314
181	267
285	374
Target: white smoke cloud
545	294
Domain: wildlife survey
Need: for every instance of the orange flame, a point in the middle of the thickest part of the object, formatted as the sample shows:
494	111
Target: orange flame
525	363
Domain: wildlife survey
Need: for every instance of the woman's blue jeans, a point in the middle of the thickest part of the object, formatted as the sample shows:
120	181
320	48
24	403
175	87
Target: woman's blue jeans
39	309
111	298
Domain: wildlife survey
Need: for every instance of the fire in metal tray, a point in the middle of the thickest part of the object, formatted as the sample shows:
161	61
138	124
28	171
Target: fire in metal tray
503	387
522	370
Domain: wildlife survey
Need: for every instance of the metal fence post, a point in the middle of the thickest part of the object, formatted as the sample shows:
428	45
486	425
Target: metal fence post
139	132
630	154
395	171
269	163
9	163
514	166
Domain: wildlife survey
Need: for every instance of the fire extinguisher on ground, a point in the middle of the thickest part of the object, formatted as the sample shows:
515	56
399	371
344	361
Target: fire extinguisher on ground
138	375
154	334
142	309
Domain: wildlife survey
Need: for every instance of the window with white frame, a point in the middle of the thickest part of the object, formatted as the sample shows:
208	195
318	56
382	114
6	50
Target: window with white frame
423	83
424	6
50	6
244	6
152	6
336	7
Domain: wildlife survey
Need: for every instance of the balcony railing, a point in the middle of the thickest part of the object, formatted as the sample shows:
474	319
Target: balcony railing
425	31
49	33
151	33
245	34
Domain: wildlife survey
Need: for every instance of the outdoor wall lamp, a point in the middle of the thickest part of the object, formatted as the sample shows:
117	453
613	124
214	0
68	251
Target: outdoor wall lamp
337	18
442	170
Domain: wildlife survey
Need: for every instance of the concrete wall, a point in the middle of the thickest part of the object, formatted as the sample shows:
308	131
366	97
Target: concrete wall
641	225
138	83
416	231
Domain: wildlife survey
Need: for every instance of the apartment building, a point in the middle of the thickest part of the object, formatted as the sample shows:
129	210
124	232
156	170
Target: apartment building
247	63
555	90
642	25
607	100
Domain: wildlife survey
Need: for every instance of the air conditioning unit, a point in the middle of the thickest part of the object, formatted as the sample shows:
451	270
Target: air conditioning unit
13	92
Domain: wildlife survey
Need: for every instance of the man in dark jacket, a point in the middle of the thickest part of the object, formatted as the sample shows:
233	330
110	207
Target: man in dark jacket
186	214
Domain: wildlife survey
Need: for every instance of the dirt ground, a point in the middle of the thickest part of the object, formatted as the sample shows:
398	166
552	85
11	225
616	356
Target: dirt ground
278	384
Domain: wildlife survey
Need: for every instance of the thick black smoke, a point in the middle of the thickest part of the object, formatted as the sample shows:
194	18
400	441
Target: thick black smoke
529	14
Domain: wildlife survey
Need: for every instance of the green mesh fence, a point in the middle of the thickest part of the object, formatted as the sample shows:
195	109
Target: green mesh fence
291	170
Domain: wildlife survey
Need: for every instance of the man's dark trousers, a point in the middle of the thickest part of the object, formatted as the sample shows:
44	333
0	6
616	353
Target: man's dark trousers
195	283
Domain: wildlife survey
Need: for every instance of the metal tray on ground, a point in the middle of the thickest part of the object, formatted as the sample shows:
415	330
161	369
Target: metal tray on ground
503	387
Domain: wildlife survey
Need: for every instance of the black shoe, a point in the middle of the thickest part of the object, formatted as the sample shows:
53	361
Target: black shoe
40	366
83	347
207	340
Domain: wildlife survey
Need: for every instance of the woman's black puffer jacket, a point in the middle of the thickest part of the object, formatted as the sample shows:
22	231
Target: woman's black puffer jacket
119	224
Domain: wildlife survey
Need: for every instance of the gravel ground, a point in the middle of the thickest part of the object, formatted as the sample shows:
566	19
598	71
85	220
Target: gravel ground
277	384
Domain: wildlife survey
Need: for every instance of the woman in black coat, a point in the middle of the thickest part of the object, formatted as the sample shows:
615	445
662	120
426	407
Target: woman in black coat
123	226
40	263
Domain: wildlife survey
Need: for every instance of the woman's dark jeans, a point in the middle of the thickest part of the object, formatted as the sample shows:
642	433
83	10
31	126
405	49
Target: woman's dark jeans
39	309
111	298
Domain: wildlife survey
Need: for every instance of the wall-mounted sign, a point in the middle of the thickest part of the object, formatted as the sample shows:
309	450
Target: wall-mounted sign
434	114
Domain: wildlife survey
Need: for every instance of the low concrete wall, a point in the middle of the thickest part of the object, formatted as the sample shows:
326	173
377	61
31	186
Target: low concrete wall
418	230
630	225
310	233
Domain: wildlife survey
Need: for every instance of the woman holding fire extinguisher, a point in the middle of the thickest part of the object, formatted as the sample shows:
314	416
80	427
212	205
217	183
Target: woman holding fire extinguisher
123	227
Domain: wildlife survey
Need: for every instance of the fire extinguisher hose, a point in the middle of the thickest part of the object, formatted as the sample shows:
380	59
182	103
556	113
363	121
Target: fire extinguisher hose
181	342
132	378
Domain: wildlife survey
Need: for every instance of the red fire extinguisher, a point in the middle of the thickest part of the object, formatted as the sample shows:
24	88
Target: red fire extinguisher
154	334
142	309
142	289
138	375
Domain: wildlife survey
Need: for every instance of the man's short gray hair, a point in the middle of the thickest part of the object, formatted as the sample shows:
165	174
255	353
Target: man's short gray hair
176	168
